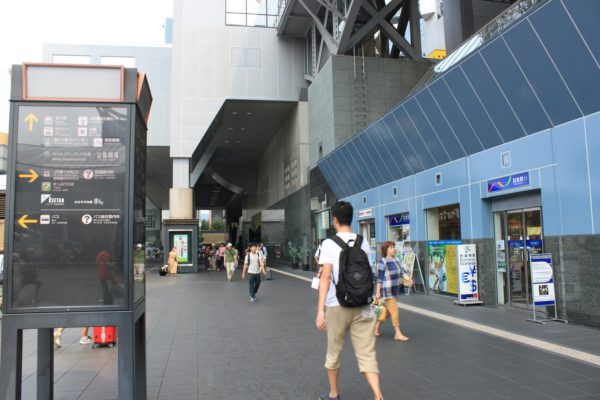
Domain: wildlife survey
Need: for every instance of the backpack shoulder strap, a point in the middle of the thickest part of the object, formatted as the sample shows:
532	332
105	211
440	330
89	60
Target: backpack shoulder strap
359	241
339	241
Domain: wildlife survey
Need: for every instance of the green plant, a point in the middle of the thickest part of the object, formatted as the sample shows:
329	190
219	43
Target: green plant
204	225
217	226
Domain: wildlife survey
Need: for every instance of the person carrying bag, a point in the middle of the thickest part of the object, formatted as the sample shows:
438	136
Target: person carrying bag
390	276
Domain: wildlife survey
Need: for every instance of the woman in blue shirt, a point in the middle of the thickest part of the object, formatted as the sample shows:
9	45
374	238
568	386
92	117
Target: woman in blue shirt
389	282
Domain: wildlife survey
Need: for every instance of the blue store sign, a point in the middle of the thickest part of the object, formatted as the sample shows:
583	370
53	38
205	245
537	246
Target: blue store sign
508	182
398	219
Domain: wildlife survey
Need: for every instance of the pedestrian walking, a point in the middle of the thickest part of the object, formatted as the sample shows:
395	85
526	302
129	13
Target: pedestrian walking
221	256
173	261
390	275
230	261
84	339
334	315
254	265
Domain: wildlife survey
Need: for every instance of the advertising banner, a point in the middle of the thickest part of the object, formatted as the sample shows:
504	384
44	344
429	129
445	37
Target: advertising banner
443	275
182	244
542	279
467	272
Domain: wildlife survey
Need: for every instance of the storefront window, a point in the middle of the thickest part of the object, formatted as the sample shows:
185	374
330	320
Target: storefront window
443	223
398	227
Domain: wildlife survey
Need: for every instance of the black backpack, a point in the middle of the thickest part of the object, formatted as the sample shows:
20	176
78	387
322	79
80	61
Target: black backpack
355	280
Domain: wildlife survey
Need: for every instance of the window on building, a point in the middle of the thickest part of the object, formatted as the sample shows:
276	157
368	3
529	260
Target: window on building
127	62
443	223
262	13
398	227
71	59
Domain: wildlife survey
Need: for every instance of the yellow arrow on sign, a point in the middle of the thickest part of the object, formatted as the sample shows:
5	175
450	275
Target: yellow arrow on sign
32	175
23	221
31	118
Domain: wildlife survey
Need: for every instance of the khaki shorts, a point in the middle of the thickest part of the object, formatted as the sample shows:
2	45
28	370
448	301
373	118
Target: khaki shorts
359	322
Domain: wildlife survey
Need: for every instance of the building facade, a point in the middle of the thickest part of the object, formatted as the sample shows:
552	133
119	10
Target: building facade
495	149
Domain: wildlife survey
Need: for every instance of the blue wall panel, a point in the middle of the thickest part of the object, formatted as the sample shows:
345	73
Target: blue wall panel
450	196
487	164
416	142
393	148
441	126
572	178
465	213
515	87
585	14
492	98
455	116
453	174
542	75
440	156
571	56
408	152
592	127
476	114
389	153
550	202
383	156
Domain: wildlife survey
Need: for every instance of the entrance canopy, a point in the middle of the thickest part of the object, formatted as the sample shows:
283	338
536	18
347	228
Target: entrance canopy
225	163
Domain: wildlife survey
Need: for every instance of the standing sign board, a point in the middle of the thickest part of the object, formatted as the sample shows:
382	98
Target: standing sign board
75	226
542	285
468	287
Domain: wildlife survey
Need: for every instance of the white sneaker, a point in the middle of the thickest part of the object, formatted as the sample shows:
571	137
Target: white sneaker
57	339
85	340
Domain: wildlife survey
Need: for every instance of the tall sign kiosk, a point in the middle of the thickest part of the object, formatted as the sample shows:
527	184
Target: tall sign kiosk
75	216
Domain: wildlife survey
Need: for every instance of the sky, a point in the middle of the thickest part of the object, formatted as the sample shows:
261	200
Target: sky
25	25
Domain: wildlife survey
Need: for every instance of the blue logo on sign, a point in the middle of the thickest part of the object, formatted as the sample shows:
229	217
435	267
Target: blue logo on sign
508	182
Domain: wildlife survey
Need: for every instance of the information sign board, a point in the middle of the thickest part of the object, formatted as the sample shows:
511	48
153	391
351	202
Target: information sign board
68	237
542	279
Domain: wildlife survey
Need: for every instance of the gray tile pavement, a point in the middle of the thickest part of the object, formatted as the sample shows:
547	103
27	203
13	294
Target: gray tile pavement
207	341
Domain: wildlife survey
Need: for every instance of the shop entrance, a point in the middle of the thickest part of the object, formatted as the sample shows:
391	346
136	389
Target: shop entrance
518	234
367	230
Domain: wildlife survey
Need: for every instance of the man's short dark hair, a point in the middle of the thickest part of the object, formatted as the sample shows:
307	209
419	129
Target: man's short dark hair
343	212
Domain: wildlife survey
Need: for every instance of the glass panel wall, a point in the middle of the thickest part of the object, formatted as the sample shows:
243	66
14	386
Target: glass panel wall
261	13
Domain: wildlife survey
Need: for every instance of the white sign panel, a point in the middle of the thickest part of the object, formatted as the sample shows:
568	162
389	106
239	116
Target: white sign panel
468	288
542	279
366	213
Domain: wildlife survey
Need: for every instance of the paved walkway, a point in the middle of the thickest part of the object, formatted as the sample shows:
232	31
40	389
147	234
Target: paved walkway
207	341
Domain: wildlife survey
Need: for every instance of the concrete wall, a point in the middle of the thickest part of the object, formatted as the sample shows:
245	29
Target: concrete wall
288	151
154	61
213	62
341	102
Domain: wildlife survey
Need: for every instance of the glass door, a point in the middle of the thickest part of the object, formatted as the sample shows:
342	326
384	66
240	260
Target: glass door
518	234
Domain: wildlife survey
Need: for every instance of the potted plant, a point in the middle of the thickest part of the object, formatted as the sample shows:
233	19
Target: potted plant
305	256
294	254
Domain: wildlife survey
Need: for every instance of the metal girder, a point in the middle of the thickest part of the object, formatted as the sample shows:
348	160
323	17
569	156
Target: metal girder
351	16
330	7
202	163
392	33
378	18
329	40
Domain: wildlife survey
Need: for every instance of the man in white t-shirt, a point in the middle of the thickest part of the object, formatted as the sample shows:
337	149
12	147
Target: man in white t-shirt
337	320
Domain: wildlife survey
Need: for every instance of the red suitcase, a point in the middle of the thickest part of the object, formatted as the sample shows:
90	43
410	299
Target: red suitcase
105	336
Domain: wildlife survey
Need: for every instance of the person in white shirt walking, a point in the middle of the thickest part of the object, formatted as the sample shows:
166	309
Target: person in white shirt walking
335	319
254	264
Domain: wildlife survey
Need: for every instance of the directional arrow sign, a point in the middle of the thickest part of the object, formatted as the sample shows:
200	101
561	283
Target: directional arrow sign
30	119
32	176
23	221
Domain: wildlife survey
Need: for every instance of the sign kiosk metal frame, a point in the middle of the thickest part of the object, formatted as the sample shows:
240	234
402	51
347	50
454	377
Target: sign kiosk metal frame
542	286
74	223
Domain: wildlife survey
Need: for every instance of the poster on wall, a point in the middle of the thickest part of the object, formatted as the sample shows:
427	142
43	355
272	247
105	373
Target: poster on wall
467	273
443	275
181	243
542	279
